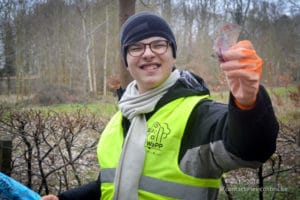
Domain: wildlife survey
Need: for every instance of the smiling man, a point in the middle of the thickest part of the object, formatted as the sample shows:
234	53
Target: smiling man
170	140
150	66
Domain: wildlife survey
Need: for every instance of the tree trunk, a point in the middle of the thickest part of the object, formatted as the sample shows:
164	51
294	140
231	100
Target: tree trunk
87	40
127	8
93	61
105	52
167	10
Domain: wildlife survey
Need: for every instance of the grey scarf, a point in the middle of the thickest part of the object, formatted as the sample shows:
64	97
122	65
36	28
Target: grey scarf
133	106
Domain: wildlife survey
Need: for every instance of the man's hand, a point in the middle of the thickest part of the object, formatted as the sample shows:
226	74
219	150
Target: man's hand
49	197
242	68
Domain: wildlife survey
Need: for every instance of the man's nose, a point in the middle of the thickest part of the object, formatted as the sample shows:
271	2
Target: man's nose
148	51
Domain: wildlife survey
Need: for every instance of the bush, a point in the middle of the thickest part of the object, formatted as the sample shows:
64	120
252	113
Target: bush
52	151
54	94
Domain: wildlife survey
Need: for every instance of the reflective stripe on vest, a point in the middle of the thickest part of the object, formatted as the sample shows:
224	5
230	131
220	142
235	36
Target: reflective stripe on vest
171	189
161	171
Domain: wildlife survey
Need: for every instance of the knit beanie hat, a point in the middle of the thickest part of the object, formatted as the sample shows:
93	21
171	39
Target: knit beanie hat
144	25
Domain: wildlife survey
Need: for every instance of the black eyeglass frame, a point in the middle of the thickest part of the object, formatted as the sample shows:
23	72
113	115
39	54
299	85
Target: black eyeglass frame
151	46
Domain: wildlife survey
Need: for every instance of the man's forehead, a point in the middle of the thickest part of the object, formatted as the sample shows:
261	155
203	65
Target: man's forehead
150	39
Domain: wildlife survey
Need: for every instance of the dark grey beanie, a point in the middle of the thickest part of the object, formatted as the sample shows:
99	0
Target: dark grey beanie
144	25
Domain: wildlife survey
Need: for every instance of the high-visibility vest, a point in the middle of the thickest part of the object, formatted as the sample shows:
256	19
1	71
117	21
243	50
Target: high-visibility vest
161	176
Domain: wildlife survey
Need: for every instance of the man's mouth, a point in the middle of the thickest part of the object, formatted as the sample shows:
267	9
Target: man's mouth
150	67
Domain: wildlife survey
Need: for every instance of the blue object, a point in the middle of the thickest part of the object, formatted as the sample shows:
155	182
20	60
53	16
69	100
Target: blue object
10	189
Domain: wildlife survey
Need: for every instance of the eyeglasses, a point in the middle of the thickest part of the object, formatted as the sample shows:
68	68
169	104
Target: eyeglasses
157	46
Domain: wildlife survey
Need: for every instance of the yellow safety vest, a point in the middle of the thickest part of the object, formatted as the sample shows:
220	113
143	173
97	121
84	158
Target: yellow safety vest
161	177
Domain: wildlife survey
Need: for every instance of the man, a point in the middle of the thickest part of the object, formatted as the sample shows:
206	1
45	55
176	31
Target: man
170	140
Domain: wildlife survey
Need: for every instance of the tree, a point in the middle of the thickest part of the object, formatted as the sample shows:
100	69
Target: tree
126	9
83	8
240	11
7	8
63	42
105	52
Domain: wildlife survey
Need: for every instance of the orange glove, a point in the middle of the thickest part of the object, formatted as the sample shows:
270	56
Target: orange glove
242	68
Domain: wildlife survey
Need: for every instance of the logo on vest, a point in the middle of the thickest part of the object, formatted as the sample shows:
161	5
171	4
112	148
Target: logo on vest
157	134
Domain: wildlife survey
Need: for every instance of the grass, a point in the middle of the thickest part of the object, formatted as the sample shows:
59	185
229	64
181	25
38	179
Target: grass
220	96
101	109
285	101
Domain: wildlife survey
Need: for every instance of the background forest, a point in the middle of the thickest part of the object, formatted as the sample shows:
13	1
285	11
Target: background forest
58	56
75	43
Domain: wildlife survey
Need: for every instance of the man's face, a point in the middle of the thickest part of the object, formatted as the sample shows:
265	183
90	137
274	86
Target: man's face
151	67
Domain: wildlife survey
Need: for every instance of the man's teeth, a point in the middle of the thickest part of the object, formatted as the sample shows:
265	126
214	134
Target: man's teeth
150	67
